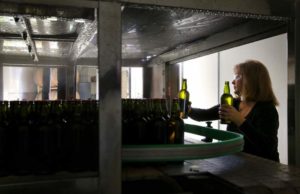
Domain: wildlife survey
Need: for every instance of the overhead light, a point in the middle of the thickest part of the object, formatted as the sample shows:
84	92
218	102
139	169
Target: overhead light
79	20
14	44
33	20
132	31
7	19
52	19
53	45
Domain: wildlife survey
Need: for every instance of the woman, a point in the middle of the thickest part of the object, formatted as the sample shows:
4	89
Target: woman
254	111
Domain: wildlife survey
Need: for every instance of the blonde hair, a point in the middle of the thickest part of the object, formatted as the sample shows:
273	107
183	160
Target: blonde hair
257	85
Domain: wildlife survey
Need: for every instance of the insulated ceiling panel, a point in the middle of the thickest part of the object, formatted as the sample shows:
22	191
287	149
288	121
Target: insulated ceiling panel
150	31
147	31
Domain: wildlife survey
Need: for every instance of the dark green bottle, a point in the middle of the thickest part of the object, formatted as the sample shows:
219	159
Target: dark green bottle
226	98
46	138
22	156
158	127
175	125
139	124
4	139
78	138
126	112
183	97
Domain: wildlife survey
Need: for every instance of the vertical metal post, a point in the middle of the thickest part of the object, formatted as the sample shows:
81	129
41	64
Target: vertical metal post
109	63
297	82
61	85
1	77
46	83
71	80
1	82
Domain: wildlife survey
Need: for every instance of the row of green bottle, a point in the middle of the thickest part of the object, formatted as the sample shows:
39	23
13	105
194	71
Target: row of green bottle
42	137
149	121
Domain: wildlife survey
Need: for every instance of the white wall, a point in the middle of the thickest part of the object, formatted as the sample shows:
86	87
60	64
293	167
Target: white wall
206	77
202	79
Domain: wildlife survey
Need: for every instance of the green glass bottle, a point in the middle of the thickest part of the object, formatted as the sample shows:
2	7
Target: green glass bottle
158	128
139	124
175	125
23	158
45	139
226	98
183	97
4	139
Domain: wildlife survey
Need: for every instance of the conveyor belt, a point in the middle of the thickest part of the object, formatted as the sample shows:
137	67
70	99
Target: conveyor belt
227	143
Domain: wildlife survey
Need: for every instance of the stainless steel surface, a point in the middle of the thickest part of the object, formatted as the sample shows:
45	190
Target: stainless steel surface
248	6
151	31
51	38
237	35
150	34
64	9
85	46
58	3
109	28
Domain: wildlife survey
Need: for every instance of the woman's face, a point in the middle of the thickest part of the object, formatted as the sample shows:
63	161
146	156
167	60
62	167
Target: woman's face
237	82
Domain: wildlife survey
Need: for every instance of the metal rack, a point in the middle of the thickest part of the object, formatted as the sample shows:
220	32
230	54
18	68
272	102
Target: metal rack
109	63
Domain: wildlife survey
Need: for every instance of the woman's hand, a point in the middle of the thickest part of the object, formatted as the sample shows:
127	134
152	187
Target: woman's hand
228	112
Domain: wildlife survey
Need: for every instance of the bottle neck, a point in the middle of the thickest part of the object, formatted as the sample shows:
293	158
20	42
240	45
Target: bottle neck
175	108
226	89
184	85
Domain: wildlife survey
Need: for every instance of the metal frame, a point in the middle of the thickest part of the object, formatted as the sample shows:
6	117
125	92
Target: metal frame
109	63
247	6
73	3
235	36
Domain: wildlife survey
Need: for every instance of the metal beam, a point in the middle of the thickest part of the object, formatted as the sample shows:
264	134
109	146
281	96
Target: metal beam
260	7
18	60
44	37
29	40
45	9
236	36
73	3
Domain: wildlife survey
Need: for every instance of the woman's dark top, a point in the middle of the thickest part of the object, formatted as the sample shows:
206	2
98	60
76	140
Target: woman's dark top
259	129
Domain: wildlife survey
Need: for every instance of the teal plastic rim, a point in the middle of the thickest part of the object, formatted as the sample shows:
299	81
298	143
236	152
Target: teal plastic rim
228	143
